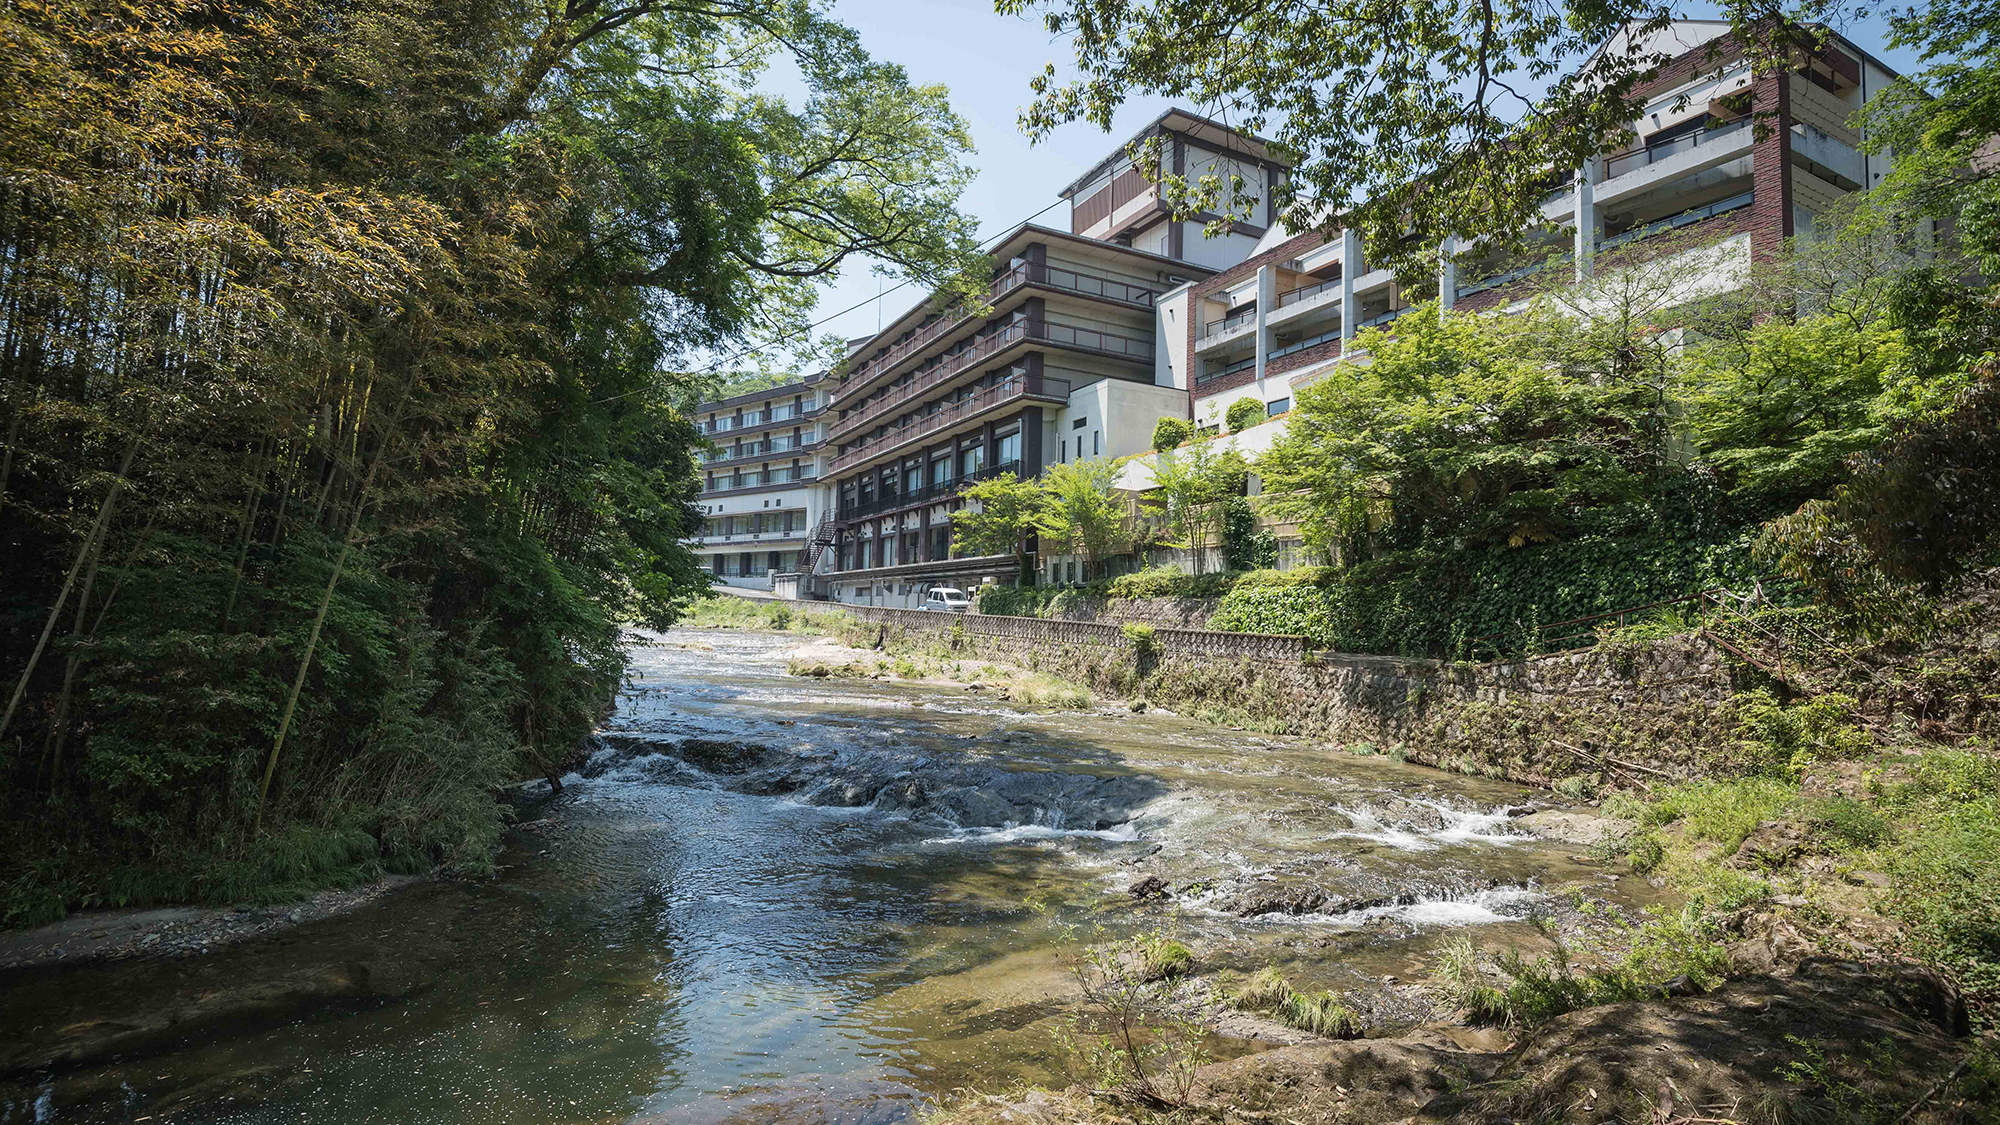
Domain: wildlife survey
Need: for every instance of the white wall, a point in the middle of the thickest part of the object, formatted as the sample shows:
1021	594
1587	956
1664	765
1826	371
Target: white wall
1170	333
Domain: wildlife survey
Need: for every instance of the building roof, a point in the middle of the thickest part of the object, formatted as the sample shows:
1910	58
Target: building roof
1177	120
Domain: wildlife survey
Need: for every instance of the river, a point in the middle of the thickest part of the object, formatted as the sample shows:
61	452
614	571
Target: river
769	899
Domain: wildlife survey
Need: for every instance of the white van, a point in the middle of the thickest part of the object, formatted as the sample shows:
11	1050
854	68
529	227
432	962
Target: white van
946	599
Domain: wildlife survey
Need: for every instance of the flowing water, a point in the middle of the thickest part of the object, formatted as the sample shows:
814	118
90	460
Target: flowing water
824	901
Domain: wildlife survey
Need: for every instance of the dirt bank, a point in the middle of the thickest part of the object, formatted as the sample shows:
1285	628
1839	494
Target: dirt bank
176	931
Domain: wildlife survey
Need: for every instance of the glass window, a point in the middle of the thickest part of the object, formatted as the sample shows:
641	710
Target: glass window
1276	407
1096	442
972	460
940	470
1010	448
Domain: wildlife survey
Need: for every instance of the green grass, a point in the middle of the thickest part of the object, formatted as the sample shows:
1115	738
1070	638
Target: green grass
1164	958
1320	1013
722	611
1518	990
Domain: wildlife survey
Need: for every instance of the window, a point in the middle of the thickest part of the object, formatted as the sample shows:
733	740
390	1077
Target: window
1010	448
940	470
972	460
1079	423
1096	442
941	541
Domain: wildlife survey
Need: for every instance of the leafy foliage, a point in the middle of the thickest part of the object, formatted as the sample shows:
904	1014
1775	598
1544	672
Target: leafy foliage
341	438
1082	515
1171	433
1243	414
1438	118
1000	513
1193	488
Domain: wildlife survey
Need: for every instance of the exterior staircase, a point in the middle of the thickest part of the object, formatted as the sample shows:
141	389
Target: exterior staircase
816	545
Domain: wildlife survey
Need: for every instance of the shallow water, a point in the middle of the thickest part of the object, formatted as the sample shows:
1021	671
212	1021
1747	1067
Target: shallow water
767	899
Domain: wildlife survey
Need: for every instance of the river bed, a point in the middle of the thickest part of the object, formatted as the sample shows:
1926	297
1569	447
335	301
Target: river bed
770	899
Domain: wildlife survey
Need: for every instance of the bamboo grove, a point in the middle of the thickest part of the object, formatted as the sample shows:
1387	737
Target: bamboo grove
338	443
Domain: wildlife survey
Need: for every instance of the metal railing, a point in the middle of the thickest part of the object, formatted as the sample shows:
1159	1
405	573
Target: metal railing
1225	372
1294	296
1685	218
1027	273
1302	345
759	449
1379	321
1071	335
1499	279
1229	324
1616	166
761	480
1007	390
929	493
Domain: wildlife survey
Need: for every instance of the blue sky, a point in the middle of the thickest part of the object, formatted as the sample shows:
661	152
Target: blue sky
986	60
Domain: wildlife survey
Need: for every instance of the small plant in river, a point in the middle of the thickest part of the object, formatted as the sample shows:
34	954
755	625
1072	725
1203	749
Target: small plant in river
1320	1013
1132	1035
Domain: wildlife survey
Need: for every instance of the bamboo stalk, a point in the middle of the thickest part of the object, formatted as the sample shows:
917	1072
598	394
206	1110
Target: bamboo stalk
312	641
69	582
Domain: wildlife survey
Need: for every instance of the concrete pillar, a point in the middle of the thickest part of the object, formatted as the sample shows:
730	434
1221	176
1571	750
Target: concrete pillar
1031	441
1586	218
1350	268
1267	295
1447	273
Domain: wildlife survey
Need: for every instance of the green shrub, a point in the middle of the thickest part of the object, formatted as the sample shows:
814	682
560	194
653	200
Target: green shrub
1847	822
1244	413
1722	810
1170	433
1169	582
1302	611
1792	736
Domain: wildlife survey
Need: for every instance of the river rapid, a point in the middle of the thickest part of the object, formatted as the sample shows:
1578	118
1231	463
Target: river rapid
771	899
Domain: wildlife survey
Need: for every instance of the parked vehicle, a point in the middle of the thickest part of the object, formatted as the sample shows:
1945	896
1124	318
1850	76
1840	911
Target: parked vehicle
946	599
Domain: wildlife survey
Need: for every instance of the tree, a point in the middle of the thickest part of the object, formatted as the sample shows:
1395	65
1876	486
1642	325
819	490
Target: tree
342	439
1243	414
1193	486
1411	121
1779	410
999	515
1461	429
1940	122
1082	514
1170	433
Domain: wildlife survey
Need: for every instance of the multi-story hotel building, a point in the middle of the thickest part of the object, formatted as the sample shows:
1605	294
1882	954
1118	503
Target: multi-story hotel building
758	502
1094	333
1062	365
1740	159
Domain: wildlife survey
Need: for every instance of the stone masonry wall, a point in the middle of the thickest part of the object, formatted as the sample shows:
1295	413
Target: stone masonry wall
1631	716
1169	613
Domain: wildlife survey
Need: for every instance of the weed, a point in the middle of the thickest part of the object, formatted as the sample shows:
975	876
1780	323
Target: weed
1320	1013
1164	958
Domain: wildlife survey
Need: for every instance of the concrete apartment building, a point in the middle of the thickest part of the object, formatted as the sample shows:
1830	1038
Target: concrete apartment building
845	486
1279	319
758	502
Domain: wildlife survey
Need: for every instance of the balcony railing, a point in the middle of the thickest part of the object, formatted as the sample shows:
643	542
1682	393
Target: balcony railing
1652	154
928	494
1685	218
1309	342
1243	364
780	535
1306	292
1499	279
774	479
1229	324
1007	390
1071	335
1056	277
759	449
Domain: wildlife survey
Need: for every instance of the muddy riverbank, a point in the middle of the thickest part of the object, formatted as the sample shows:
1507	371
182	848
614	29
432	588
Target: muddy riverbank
807	899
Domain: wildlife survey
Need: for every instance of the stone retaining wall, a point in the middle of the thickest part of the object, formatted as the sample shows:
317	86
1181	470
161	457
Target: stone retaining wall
1169	613
1631	715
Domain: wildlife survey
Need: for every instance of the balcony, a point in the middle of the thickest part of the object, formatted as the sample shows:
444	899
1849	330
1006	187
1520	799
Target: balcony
1244	364
1308	292
929	494
1827	156
750	482
1228	325
1051	277
1617	166
1685	218
775	447
1067	335
1014	388
745	538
